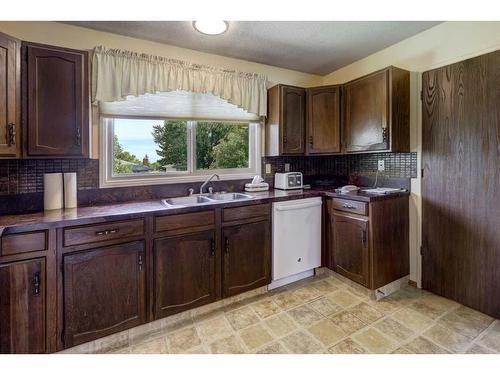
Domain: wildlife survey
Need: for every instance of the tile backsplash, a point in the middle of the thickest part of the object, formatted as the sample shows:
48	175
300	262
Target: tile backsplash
26	176
401	165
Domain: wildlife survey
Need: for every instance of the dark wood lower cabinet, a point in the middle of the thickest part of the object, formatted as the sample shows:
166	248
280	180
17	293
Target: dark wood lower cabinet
104	291
246	257
184	272
22	307
368	242
350	247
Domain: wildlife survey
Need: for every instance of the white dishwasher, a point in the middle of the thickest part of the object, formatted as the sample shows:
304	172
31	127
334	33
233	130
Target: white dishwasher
296	240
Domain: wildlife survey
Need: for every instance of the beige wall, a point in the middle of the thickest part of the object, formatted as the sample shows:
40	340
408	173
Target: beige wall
70	36
441	45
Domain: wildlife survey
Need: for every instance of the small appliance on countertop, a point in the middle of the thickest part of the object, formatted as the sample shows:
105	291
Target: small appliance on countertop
257	184
288	180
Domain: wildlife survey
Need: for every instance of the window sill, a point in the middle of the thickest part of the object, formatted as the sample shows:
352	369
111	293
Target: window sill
146	181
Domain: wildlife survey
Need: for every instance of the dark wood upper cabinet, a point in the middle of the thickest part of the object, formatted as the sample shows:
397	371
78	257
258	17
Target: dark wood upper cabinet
10	96
323	120
56	101
285	125
377	112
104	291
350	246
22	307
184	272
246	253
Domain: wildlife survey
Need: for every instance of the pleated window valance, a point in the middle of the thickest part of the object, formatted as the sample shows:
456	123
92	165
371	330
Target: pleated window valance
117	74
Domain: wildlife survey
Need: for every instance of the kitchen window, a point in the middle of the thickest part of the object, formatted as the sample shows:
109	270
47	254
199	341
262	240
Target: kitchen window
145	150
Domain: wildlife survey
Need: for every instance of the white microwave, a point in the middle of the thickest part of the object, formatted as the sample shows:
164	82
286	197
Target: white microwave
288	181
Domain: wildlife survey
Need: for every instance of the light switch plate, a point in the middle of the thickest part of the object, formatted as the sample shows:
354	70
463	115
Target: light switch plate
287	167
381	165
268	168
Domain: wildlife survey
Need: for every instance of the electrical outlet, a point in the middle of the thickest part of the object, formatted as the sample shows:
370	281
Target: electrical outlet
381	165
268	168
287	167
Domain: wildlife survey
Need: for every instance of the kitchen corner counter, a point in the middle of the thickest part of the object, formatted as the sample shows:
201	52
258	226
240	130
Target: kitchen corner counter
362	196
131	210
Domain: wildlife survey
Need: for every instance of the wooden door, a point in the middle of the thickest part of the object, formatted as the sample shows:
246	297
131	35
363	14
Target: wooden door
461	182
246	257
293	101
323	120
350	249
10	99
184	272
22	307
57	102
104	291
367	113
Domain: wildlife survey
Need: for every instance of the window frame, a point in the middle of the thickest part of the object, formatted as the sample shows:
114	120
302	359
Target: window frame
107	178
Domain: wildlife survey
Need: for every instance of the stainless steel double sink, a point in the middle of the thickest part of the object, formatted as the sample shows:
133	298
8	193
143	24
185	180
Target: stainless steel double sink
199	199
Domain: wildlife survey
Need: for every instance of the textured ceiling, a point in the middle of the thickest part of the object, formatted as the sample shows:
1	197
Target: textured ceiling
317	47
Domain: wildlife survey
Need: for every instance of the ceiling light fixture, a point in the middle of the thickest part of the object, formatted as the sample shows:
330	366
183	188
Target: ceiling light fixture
211	27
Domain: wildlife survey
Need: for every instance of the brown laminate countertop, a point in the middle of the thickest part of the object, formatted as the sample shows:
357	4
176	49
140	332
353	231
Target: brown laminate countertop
131	210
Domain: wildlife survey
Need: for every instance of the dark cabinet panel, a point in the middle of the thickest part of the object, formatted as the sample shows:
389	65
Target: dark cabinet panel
351	255
22	307
323	120
10	96
184	272
293	119
57	102
376	112
246	257
285	124
104	291
366	123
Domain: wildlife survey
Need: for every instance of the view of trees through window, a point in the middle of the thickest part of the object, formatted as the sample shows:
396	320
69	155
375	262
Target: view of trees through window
152	146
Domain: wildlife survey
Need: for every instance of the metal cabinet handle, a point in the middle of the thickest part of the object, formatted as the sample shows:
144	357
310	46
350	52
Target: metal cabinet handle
36	283
311	143
285	140
226	245
140	262
78	137
11	134
363	237
106	232
349	206
384	134
212	247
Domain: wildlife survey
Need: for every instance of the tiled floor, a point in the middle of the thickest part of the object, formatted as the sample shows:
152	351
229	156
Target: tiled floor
325	314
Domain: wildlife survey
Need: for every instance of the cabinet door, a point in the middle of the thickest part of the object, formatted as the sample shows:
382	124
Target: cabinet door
246	257
367	120
104	291
57	102
293	101
22	307
323	120
350	248
9	96
184	272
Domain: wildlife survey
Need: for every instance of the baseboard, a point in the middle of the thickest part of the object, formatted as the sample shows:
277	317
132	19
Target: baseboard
412	283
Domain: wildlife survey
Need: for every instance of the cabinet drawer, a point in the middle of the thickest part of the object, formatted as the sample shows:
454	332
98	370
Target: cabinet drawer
24	243
246	212
102	232
346	205
194	221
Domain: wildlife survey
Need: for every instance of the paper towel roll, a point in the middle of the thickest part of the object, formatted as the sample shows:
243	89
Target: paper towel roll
70	190
52	191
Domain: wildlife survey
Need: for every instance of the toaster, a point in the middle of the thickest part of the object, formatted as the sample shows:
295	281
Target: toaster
288	180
